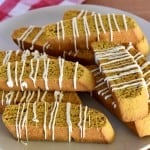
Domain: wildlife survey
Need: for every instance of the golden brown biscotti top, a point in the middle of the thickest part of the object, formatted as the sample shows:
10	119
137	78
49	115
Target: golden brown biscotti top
78	33
16	97
46	74
74	121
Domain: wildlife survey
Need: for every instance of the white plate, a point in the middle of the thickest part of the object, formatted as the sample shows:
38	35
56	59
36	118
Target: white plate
124	140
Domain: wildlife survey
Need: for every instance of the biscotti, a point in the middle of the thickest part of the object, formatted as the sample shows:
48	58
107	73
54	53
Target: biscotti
125	79
78	33
142	45
74	122
16	97
46	74
102	93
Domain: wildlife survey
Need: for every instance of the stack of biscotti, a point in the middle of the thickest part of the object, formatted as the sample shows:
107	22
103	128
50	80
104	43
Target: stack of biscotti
104	95
72	38
15	96
29	99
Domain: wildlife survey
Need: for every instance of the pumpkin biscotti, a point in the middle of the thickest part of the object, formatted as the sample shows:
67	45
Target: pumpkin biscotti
78	33
16	97
75	122
46	74
125	79
141	45
102	93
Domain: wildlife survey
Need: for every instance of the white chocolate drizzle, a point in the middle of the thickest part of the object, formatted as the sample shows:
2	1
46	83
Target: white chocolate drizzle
54	120
80	122
20	120
33	75
24	36
125	22
62	29
68	117
3	93
87	31
9	81
38	95
110	27
75	32
23	97
22	83
34	119
75	75
96	26
101	23
81	13
37	37
25	54
16	73
115	21
58	96
16	123
45	73
53	114
44	124
84	121
9	96
61	69
7	57
16	98
43	96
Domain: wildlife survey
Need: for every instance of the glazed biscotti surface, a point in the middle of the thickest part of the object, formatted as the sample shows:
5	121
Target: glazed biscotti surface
78	33
46	74
125	79
76	122
103	95
16	97
142	45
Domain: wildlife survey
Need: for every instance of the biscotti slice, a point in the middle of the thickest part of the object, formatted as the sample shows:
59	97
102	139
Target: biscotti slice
139	58
102	93
19	55
125	79
45	121
78	33
142	45
16	97
46	74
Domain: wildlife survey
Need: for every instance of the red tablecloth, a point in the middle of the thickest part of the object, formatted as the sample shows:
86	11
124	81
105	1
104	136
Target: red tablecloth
10	8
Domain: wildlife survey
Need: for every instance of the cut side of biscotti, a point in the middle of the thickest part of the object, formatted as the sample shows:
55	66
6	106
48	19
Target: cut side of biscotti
46	74
125	79
78	33
45	121
102	93
16	97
